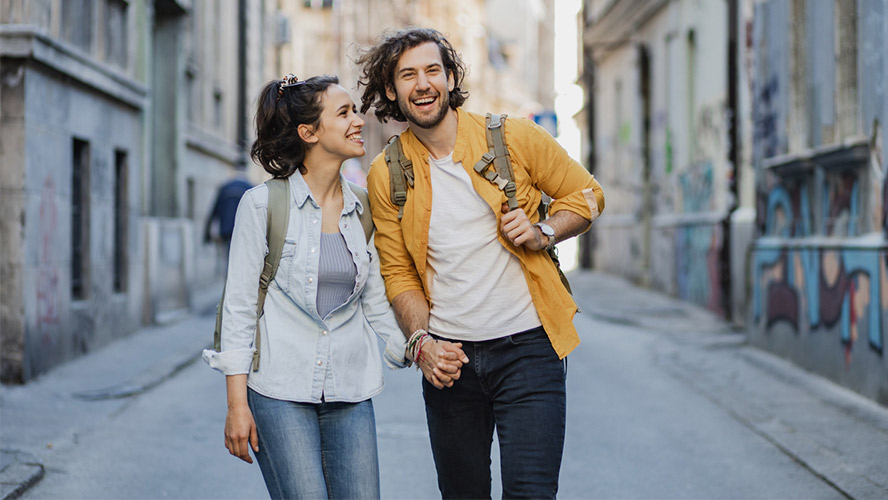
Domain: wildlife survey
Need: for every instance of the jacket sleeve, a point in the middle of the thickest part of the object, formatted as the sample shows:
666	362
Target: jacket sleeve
553	171
245	263
396	264
379	315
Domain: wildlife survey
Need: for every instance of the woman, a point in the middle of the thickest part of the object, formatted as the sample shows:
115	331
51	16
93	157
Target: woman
306	413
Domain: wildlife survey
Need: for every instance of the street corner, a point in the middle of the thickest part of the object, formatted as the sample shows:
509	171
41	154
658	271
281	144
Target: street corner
18	472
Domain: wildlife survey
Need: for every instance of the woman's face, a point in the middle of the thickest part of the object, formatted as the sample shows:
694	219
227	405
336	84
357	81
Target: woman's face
339	131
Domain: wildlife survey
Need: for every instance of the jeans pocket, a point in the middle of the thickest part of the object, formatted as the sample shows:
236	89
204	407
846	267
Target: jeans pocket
535	336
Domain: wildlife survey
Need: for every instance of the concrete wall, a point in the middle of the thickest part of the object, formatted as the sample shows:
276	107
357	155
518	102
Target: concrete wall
44	111
819	275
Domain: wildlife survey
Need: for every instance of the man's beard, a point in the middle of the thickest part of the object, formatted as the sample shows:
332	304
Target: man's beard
426	121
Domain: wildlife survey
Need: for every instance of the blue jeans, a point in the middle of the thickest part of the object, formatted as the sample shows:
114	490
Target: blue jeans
325	450
515	384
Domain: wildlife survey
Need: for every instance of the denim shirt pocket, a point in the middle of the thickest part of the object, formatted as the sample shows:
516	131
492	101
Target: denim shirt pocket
286	269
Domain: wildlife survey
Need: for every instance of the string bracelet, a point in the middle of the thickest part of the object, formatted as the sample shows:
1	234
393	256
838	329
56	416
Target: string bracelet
415	336
422	340
414	344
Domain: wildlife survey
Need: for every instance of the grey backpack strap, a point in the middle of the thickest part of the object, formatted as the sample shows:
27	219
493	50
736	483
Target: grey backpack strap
501	174
400	173
365	217
277	220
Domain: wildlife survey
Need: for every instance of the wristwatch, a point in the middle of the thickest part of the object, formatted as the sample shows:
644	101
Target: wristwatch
547	231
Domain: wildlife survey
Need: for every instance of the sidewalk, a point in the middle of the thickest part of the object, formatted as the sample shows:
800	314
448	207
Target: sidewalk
52	410
833	432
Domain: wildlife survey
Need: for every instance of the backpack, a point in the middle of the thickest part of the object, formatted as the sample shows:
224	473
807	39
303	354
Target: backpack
401	174
277	220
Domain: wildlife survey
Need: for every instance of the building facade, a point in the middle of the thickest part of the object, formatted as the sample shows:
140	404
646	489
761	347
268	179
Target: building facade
119	119
661	147
741	143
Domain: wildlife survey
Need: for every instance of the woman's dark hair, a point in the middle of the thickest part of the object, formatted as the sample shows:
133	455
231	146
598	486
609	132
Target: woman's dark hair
278	147
379	62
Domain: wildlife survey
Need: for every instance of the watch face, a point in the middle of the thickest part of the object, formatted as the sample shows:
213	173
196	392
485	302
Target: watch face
546	229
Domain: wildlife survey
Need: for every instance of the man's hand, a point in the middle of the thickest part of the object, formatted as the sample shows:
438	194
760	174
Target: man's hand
516	227
240	432
441	362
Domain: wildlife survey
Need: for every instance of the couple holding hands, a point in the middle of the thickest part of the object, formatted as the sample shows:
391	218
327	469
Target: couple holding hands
456	283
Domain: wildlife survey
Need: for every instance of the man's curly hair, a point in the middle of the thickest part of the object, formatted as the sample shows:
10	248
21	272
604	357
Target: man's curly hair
378	64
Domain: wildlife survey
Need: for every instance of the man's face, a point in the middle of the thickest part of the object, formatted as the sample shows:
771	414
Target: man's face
422	86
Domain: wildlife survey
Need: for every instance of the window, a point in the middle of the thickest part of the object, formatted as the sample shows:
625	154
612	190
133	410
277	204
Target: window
116	48
318	4
77	23
121	230
80	219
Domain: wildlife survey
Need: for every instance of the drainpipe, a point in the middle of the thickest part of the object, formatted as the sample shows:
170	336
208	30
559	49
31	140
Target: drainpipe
733	157
242	85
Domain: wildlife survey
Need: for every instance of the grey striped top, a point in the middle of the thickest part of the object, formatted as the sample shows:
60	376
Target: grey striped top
336	273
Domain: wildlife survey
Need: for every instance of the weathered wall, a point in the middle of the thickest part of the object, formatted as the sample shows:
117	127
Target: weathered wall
58	327
661	145
819	272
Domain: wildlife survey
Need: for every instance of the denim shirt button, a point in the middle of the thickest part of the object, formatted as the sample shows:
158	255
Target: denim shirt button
310	280
314	221
323	332
312	249
320	362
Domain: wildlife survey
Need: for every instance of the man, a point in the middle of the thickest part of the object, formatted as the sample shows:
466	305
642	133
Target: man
224	209
463	267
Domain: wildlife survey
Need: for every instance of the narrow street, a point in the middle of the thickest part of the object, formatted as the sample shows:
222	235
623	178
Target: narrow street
669	412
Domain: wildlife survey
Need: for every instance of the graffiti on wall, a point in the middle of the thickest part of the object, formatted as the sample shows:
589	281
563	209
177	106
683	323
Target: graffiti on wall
47	273
842	204
766	119
695	192
814	289
697	249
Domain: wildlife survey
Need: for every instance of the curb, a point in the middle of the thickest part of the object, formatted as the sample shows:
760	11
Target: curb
19	472
146	380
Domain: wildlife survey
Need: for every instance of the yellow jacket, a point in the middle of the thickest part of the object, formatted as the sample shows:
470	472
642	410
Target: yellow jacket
538	162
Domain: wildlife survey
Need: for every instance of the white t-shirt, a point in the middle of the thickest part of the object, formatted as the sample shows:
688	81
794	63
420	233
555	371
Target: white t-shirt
477	287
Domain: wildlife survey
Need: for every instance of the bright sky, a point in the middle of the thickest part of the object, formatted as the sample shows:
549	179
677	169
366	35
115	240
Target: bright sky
569	99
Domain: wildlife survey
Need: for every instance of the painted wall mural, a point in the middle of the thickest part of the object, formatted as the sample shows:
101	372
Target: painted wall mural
814	289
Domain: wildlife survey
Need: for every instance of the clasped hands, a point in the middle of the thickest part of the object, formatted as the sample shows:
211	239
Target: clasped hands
441	362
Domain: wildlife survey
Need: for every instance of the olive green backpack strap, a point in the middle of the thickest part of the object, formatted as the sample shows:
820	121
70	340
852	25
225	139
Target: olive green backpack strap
277	220
501	174
400	173
365	217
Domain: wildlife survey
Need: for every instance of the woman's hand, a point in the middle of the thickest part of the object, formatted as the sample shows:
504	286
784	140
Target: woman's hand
441	362
240	432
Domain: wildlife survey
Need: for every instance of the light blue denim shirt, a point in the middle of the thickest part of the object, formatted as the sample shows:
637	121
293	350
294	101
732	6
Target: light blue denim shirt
304	356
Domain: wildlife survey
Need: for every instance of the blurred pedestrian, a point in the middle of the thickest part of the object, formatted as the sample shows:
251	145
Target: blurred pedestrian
221	220
462	268
307	412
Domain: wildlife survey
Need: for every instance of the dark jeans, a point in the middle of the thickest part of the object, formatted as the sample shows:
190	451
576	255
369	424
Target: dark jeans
515	384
